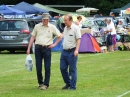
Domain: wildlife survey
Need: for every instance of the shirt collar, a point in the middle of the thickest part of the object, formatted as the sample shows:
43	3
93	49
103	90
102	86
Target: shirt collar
70	26
46	26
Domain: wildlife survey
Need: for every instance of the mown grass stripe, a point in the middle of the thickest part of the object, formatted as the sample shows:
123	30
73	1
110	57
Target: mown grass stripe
124	94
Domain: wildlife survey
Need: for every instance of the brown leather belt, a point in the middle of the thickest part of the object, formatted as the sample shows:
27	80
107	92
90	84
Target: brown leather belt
69	50
44	46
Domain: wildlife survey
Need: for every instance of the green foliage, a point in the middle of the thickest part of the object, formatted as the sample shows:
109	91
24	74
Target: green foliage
9	2
99	75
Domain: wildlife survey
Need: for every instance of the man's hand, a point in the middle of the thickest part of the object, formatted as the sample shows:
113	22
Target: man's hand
57	41
52	45
76	53
28	51
77	47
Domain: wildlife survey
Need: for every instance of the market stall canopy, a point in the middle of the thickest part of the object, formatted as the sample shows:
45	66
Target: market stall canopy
122	8
10	11
87	9
53	9
28	8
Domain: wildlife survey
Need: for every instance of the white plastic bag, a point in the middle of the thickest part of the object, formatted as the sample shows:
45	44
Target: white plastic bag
29	62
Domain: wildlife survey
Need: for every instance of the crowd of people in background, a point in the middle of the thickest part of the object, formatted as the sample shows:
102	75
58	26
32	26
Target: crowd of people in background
113	31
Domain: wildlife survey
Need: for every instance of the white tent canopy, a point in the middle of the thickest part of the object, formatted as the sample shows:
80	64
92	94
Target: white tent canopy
87	9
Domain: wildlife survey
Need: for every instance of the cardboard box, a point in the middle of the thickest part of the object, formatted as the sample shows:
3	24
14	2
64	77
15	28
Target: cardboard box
127	44
86	30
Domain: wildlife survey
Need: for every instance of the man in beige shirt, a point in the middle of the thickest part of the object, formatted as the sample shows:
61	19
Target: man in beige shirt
43	36
69	55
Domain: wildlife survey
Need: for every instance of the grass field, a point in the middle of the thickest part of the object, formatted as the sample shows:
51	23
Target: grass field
99	75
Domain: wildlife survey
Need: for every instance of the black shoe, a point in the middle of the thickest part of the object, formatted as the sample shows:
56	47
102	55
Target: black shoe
66	87
71	89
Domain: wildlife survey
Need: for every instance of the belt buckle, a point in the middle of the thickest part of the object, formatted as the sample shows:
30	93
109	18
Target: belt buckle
69	50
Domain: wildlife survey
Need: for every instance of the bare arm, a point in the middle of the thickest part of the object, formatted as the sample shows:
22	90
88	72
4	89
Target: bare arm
57	41
30	44
77	23
77	47
107	31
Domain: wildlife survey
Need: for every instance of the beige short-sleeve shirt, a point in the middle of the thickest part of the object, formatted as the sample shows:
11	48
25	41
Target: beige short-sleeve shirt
70	36
44	34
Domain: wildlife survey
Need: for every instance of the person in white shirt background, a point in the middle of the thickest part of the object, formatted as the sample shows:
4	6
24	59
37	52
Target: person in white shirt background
79	21
111	38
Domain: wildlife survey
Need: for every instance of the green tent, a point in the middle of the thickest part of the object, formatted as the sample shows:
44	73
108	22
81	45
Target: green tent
55	10
122	8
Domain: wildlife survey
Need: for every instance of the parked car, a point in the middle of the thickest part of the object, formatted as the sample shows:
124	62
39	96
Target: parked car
54	22
113	19
1	16
91	23
15	34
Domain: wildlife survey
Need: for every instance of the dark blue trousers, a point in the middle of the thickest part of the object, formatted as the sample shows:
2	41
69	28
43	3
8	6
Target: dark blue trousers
43	53
68	68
